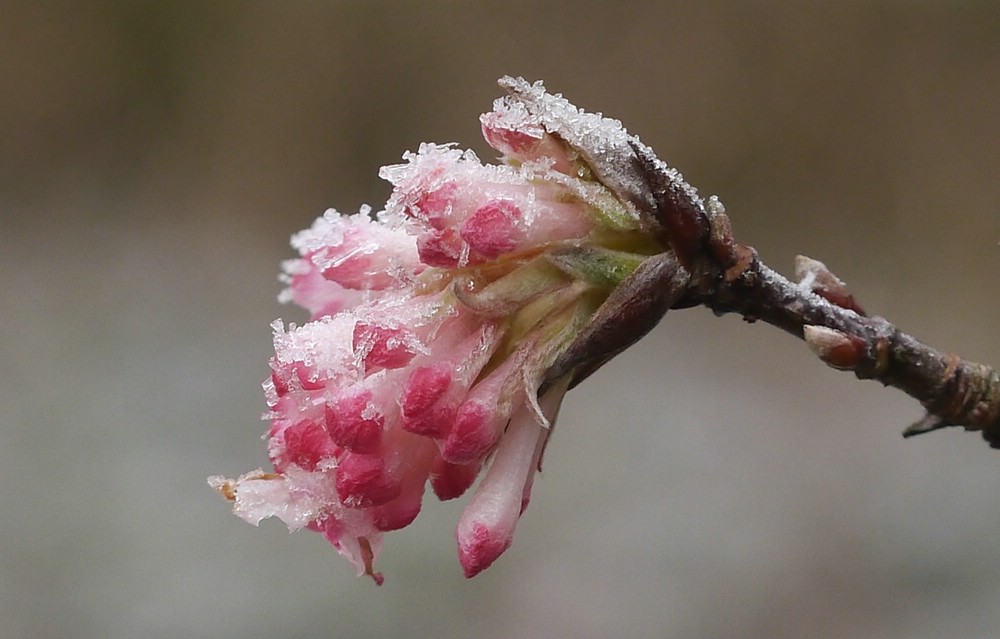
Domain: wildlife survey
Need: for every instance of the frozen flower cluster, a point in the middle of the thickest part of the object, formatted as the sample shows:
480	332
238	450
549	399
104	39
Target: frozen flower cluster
434	326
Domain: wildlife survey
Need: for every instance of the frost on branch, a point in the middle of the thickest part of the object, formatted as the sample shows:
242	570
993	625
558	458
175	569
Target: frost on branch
435	325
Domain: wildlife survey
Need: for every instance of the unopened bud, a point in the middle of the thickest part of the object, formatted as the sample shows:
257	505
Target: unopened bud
839	350
814	276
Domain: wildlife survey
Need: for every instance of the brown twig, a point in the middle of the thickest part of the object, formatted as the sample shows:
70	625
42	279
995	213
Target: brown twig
954	391
728	277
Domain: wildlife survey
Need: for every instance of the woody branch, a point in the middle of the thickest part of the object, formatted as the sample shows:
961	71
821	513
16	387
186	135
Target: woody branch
729	277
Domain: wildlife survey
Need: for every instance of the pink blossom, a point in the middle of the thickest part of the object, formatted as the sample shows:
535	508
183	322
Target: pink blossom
433	327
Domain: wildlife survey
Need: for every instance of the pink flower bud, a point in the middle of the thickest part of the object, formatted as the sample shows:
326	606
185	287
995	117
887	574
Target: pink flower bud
353	423
511	129
384	345
486	528
365	480
304	443
421	395
475	213
401	511
345	254
494	229
481	418
452	480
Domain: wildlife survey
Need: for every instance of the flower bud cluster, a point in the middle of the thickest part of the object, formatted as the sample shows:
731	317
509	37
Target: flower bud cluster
433	325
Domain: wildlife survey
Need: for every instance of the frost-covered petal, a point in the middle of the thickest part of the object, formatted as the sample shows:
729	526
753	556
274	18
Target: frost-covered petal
354	421
308	356
302	442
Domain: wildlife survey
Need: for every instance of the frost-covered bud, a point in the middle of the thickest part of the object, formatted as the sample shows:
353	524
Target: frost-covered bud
343	256
434	328
474	213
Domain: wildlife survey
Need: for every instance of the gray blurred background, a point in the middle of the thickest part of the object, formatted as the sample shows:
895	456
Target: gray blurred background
716	481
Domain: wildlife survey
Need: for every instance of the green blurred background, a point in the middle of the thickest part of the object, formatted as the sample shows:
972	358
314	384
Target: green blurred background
715	481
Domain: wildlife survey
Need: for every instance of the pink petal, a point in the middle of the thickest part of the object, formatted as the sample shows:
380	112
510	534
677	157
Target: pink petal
432	394
440	248
307	444
519	135
358	252
309	289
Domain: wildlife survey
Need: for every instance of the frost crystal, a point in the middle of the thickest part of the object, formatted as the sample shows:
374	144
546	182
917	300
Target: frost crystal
433	326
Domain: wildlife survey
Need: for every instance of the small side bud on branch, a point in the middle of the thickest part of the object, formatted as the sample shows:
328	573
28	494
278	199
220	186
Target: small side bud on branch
838	350
814	276
721	242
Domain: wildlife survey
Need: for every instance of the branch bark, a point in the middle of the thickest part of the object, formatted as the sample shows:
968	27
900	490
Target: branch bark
728	277
954	391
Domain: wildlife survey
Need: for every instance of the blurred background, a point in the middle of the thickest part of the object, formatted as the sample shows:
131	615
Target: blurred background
716	481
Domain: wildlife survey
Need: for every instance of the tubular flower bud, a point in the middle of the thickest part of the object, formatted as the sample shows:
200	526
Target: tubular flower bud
434	324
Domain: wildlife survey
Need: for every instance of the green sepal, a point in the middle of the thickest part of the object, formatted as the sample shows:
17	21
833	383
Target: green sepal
597	266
